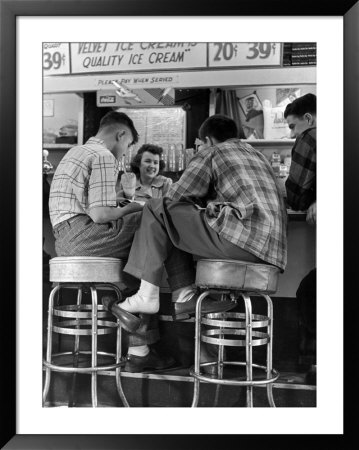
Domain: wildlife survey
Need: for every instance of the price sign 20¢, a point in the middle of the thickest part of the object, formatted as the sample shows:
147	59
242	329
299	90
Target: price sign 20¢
237	54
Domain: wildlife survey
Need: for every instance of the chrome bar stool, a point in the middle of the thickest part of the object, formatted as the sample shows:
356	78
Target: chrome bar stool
236	279
84	274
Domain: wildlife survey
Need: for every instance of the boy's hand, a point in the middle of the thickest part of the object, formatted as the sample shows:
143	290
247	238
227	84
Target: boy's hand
212	209
312	214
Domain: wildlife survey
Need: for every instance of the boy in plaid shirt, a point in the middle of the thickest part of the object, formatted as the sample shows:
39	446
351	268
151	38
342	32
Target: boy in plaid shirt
301	116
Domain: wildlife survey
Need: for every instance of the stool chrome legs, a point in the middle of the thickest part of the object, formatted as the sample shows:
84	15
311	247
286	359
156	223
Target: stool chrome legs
226	324
76	353
118	356
269	349
81	314
197	348
49	342
94	347
249	349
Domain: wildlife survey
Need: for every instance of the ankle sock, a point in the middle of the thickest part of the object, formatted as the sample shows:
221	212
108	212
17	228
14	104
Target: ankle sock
146	300
139	350
183	294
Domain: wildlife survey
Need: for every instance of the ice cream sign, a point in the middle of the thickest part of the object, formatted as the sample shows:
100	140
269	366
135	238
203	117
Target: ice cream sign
100	57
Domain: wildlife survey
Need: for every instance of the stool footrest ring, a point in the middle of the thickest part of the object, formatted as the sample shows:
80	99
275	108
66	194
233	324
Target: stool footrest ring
59	368
110	327
258	338
210	379
80	311
220	320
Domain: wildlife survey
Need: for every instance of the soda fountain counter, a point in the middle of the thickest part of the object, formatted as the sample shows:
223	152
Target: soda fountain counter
191	87
169	89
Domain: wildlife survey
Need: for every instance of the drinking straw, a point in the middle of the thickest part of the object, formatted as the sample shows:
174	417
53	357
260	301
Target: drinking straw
124	163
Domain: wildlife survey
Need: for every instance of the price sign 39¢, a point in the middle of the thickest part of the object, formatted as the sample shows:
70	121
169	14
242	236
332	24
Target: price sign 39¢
55	58
244	54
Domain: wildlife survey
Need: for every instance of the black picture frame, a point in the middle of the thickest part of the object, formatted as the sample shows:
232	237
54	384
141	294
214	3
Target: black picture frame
9	11
257	104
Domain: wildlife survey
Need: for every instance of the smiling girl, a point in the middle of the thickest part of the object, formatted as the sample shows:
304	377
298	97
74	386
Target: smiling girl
147	165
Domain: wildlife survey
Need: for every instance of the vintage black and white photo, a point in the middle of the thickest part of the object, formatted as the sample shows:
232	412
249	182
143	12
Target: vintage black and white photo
179	224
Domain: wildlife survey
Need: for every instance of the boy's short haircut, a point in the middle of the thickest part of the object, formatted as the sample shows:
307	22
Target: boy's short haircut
305	104
113	118
219	127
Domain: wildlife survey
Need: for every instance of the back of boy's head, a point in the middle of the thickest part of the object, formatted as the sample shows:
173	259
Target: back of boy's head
114	118
305	104
219	127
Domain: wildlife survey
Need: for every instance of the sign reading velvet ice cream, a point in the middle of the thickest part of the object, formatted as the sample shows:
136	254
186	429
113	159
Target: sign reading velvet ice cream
107	57
130	56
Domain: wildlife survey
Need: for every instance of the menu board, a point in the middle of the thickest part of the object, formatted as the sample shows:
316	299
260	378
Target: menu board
158	126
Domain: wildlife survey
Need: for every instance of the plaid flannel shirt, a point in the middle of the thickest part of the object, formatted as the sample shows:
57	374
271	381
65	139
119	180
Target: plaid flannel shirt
301	182
85	177
241	183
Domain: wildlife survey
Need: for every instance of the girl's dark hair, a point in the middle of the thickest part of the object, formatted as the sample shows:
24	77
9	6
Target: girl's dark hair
218	126
136	160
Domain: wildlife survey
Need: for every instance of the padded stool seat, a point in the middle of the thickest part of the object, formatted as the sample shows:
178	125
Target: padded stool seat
86	274
80	269
236	280
236	275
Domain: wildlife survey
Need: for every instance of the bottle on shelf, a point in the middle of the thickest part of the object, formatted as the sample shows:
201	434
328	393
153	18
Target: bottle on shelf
275	162
288	161
172	158
283	171
164	156
126	160
179	156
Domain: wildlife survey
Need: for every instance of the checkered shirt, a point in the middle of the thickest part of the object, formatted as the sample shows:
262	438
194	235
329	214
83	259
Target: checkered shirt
301	182
240	181
86	177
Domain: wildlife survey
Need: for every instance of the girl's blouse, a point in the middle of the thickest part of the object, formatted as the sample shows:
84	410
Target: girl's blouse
159	187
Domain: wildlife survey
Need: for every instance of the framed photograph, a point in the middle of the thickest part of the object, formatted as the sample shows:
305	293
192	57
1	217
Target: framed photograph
251	105
26	423
253	123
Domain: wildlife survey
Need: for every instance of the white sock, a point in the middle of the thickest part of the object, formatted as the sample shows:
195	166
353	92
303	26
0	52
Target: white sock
183	294
146	300
140	350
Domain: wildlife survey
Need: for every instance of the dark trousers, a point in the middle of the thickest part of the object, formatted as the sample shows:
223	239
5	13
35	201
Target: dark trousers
170	234
307	302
